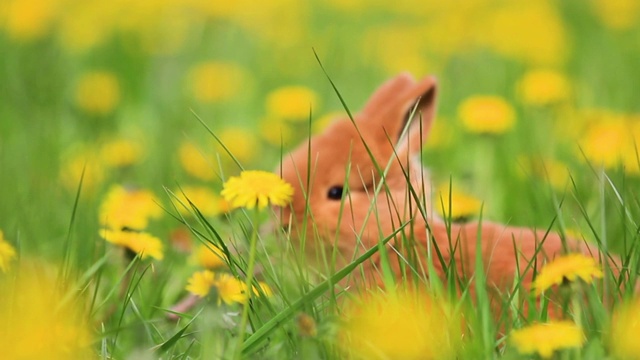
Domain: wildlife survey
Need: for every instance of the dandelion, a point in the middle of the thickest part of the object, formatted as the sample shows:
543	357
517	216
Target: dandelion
606	140
27	20
552	170
543	87
257	188
400	326
486	115
230	290
121	152
7	253
623	331
276	131
617	14
97	93
241	143
461	205
203	198
217	81
292	103
200	283
125	208
545	339
325	120
209	256
567	268
82	165
42	316
141	243
195	163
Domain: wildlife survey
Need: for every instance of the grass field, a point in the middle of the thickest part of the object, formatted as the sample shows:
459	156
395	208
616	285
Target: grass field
123	115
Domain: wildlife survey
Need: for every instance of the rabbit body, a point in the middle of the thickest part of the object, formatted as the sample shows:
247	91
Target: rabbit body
361	181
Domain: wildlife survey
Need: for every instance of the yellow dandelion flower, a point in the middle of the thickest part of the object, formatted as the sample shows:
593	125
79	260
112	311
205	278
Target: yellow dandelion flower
264	289
27	20
7	253
195	163
487	115
209	256
231	290
292	103
207	201
623	331
217	81
606	141
543	87
121	152
141	243
200	283
276	131
617	14
240	142
545	339
97	93
567	268
257	188
400	326
462	205
129	208
554	171
43	317
323	122
83	165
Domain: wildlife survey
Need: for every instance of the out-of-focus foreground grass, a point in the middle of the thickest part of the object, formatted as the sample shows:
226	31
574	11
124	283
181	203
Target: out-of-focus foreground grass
104	97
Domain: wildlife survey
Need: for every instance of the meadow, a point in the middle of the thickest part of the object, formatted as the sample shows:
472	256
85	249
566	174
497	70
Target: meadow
121	122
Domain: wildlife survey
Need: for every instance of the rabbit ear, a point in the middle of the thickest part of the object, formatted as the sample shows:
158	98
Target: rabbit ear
399	103
385	95
418	117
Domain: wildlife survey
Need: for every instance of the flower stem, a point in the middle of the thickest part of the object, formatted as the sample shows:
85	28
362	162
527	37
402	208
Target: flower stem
249	288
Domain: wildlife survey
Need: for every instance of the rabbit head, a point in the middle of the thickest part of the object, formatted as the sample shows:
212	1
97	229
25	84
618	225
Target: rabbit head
352	181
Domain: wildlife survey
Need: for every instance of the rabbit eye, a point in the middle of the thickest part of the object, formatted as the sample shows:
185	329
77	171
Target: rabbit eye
335	193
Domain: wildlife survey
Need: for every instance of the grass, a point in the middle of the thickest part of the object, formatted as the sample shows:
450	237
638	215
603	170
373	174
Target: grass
124	301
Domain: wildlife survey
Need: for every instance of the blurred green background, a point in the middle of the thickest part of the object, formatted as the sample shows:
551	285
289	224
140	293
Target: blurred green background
111	89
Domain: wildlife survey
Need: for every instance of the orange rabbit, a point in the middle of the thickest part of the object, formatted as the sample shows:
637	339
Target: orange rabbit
336	202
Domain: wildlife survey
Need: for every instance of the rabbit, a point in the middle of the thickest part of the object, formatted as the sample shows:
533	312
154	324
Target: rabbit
335	200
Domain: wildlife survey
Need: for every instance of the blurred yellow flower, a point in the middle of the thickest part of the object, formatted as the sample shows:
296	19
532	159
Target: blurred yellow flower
276	131
207	201
242	143
230	290
617	14
209	256
545	339
623	331
486	114
264	289
462	205
141	243
543	87
257	188
606	140
569	267
131	209
85	165
85	24
121	152
97	93
195	163
27	20
507	29
42	316
200	283
318	125
554	171
400	326
217	81
395	48
292	103
7	253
